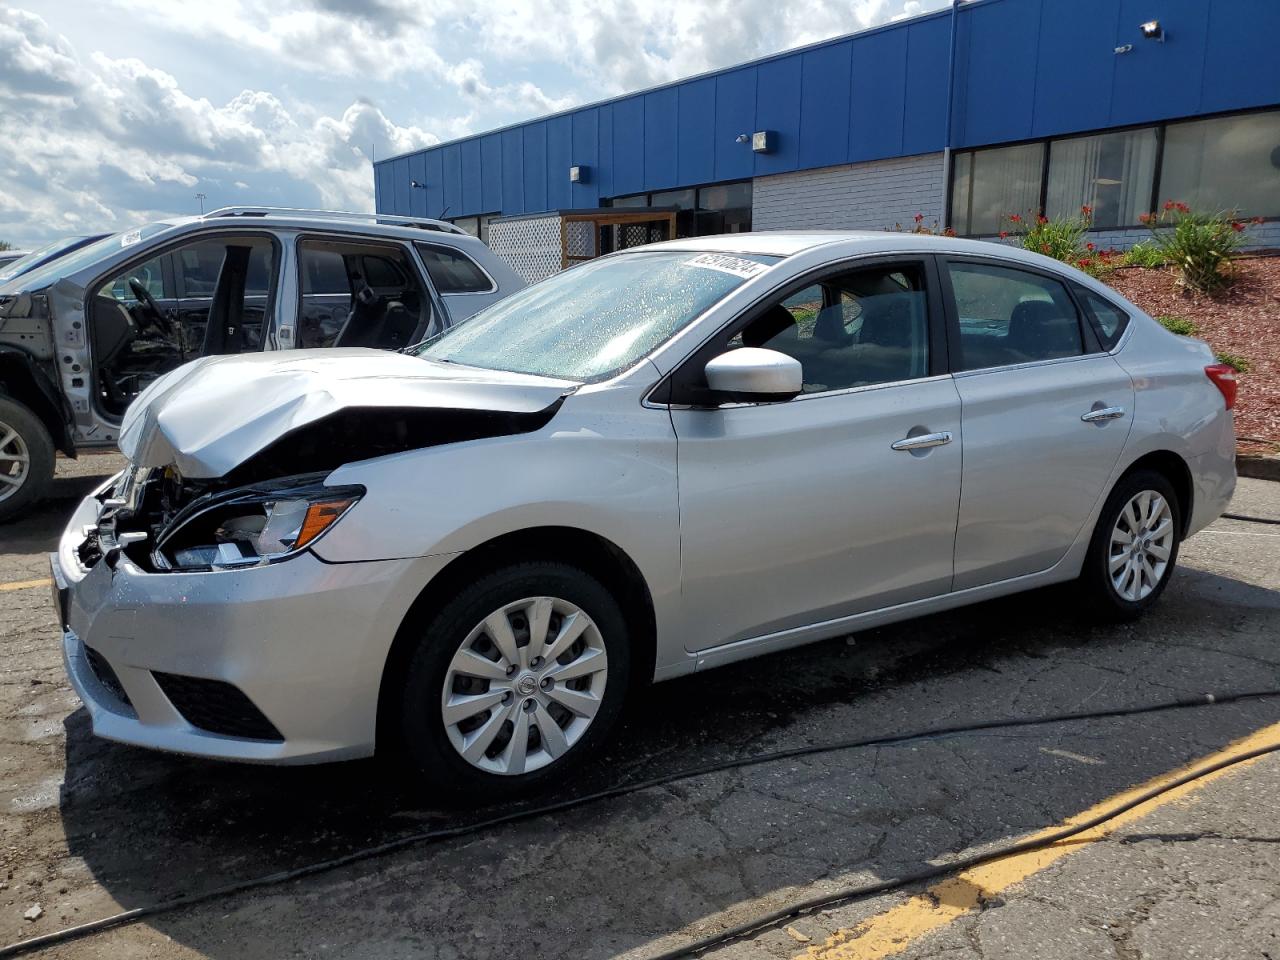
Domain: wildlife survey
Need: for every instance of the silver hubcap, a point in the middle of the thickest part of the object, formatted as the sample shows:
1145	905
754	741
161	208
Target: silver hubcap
1141	544
15	461
524	685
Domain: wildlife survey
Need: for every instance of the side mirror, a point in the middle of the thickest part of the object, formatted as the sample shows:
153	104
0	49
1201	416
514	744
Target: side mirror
754	375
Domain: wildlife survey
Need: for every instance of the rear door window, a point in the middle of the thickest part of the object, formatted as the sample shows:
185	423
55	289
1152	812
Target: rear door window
1009	316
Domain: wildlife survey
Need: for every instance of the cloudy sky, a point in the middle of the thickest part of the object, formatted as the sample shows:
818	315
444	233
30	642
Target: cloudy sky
114	112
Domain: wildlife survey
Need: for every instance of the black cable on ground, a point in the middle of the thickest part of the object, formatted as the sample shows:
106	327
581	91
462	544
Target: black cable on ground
1247	519
438	834
964	863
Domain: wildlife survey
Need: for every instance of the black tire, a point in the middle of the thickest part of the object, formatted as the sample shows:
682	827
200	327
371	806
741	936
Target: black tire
33	436
1103	600
422	740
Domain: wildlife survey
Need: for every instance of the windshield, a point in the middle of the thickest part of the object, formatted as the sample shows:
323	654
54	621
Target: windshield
77	260
15	267
597	319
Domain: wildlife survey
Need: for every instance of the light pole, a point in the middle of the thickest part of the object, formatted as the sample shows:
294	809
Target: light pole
201	197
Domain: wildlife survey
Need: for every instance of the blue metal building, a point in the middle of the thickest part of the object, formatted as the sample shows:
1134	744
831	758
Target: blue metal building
1118	104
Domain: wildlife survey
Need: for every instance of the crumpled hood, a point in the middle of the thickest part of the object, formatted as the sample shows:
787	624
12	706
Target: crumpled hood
211	415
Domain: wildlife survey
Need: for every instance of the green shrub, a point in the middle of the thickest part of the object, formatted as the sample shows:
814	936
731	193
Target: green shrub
1237	363
1063	238
919	226
1144	254
1198	245
1179	325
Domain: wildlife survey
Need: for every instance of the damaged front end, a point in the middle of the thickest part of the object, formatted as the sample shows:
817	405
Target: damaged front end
163	523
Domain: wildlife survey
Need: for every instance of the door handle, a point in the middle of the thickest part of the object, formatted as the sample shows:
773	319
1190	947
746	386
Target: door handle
1106	413
923	441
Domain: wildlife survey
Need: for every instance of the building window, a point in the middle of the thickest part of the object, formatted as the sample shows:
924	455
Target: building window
722	208
1229	163
989	185
1112	173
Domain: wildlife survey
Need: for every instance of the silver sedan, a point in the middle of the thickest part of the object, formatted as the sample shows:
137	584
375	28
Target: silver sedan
655	463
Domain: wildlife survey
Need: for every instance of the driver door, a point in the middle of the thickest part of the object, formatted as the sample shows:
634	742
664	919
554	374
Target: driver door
806	511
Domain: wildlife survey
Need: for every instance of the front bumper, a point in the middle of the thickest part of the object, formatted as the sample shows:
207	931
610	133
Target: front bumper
303	640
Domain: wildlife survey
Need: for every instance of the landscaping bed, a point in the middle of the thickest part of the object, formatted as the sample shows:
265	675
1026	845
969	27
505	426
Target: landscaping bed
1242	320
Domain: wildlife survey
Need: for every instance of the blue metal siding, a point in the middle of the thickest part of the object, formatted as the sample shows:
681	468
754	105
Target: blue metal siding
660	152
696	132
1024	69
877	95
628	146
491	173
777	99
735	115
824	105
559	151
585	153
1069	48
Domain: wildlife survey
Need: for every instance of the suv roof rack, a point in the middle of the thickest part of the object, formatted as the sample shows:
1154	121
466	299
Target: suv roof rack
391	219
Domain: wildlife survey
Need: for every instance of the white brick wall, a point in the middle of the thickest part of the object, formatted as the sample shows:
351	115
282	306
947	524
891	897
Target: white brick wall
859	196
1258	235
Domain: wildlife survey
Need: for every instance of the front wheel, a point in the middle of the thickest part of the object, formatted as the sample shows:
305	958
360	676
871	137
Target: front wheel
514	682
26	458
1134	547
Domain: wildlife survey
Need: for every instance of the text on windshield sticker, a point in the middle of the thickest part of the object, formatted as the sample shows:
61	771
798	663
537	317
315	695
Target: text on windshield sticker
726	264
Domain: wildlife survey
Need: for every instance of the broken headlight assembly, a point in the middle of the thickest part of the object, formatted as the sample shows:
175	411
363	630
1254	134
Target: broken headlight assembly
253	526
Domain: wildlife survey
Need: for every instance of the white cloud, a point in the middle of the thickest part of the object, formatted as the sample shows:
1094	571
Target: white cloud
101	143
97	140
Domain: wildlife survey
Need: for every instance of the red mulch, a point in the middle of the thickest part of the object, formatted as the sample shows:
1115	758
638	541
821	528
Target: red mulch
1243	319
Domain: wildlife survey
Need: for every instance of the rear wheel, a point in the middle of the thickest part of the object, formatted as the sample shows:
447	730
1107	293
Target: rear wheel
514	682
1134	547
26	458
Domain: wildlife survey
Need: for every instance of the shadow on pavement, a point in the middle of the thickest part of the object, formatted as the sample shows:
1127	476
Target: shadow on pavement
625	872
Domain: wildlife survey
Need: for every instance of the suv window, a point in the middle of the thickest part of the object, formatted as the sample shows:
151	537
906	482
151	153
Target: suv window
1009	316
357	294
859	328
452	271
1108	320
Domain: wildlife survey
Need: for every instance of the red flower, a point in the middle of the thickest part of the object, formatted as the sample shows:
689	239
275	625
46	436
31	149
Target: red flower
1015	218
1004	234
1237	226
949	232
1182	208
1168	204
1042	219
1144	218
1087	210
1256	220
1044	248
1089	247
919	217
1085	262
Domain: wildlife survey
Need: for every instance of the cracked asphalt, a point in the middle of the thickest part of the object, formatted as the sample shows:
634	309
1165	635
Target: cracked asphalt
88	827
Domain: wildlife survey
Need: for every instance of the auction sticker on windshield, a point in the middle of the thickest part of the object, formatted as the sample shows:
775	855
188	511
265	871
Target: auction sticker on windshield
725	264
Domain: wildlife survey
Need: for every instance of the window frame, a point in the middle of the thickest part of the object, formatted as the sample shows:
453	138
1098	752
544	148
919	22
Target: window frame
1091	346
685	385
1076	288
406	248
1161	129
457	252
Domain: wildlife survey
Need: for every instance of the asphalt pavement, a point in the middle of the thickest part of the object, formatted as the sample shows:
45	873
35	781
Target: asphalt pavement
88	828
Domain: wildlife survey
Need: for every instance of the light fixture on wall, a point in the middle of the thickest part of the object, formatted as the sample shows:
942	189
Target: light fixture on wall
742	138
417	185
763	141
1152	30
579	174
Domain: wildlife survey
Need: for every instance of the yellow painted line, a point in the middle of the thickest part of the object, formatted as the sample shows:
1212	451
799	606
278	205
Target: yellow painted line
25	584
894	930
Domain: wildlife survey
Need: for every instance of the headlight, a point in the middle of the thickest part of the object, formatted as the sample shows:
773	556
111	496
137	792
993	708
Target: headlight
251	527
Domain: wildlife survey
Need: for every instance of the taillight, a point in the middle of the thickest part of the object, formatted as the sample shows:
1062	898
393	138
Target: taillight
1224	378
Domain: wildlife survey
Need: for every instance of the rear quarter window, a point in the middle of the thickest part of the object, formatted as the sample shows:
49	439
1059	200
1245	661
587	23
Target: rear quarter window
1108	320
452	271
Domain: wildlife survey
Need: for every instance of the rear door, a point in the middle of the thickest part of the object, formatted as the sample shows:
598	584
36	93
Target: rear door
813	509
1045	417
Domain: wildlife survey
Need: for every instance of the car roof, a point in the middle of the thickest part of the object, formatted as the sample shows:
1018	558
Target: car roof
840	243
